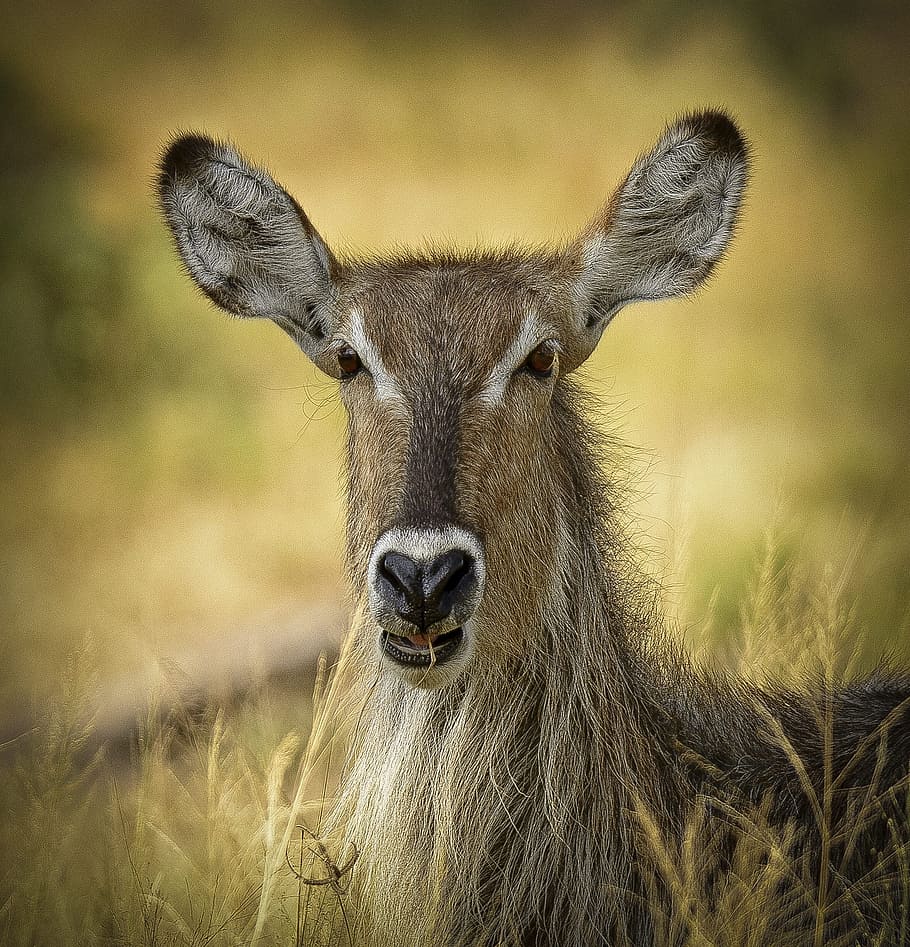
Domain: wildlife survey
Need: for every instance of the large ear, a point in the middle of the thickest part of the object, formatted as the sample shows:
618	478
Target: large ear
666	226
245	241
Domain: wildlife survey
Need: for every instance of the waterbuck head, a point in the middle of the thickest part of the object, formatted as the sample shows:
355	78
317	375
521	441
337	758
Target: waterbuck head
463	482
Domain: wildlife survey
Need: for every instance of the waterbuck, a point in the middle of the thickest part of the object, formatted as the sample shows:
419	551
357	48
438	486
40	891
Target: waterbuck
523	716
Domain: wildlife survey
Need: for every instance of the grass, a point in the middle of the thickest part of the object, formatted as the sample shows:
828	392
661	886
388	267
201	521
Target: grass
209	833
166	848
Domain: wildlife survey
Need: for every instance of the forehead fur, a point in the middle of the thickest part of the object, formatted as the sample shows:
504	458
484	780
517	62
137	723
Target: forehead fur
445	306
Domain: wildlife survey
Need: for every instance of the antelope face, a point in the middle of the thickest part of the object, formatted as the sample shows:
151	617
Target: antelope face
452	371
448	369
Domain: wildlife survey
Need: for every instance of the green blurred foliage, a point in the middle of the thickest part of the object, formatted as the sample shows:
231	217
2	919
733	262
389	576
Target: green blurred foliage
61	278
78	326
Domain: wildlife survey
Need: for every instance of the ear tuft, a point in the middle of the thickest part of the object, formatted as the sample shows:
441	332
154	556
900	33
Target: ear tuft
245	241
668	223
715	126
184	157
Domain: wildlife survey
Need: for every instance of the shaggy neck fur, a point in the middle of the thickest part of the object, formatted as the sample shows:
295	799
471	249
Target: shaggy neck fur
500	810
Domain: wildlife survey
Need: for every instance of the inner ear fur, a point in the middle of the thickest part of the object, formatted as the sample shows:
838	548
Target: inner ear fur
245	241
668	223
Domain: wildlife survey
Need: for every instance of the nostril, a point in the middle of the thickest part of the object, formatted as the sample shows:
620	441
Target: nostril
459	575
456	569
445	576
403	574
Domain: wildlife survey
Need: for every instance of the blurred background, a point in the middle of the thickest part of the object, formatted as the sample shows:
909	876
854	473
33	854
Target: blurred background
170	478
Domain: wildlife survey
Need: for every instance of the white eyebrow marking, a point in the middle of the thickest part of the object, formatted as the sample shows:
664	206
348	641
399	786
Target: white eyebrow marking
387	387
530	333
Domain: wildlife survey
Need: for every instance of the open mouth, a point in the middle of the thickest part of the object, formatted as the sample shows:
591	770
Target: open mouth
422	650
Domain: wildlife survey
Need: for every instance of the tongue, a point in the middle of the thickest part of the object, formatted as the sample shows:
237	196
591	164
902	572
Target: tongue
420	641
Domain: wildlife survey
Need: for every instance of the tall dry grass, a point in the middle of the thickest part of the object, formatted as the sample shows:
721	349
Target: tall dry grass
799	631
211	831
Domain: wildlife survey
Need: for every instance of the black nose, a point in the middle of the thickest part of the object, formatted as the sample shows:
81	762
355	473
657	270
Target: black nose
424	593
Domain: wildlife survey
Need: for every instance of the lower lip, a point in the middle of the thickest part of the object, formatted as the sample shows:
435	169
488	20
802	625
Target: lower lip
403	652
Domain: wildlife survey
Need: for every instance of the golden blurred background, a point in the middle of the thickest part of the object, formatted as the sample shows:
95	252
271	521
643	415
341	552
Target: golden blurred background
170	476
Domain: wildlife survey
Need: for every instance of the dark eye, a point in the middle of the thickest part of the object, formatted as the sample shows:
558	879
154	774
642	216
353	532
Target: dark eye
541	361
348	362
